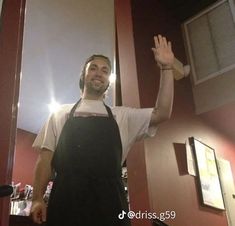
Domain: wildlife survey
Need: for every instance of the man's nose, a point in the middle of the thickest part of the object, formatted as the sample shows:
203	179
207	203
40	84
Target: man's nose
99	73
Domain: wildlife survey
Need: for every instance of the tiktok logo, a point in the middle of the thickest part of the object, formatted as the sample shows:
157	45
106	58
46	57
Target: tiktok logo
121	215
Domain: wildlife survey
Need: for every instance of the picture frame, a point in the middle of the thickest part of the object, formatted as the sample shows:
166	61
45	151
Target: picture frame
207	171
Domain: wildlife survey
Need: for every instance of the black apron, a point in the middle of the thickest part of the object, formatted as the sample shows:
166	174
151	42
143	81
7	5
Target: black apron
88	188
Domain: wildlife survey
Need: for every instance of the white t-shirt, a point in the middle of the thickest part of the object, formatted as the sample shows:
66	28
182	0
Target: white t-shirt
133	123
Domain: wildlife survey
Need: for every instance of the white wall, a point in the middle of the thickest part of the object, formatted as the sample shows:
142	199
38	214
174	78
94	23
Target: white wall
59	35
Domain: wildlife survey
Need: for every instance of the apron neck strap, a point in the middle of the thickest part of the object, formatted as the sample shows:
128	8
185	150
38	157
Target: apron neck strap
109	111
74	109
75	106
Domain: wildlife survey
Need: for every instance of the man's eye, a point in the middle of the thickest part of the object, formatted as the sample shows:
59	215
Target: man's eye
105	70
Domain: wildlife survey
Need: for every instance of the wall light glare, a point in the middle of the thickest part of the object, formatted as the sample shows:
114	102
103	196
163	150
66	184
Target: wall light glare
112	78
53	106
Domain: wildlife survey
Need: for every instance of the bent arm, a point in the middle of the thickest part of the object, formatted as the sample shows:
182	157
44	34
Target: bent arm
42	175
164	57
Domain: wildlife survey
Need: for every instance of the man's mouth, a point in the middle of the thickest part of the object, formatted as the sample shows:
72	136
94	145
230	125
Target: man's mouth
97	81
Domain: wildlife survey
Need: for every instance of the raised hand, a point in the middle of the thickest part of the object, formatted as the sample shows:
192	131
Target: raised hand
163	52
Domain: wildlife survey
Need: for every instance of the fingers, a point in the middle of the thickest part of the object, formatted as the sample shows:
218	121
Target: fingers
161	41
156	42
163	51
160	38
164	42
38	213
170	46
36	216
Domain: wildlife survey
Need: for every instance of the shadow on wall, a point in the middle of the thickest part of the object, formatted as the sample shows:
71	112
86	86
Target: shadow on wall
180	154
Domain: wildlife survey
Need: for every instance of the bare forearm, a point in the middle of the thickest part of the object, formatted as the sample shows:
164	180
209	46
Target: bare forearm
163	107
165	94
164	57
42	174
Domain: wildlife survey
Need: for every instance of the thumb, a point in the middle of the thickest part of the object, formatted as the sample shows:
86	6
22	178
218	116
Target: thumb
155	51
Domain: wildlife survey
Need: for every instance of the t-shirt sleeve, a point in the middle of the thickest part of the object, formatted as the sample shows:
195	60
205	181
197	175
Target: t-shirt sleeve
139	123
46	138
134	125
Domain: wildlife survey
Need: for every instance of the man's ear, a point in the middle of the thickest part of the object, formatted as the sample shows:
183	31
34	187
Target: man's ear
81	82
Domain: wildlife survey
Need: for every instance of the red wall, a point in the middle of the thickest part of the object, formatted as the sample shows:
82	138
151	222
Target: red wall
11	37
139	199
25	158
170	187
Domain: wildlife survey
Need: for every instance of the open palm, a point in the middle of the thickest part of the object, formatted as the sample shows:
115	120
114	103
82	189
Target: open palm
163	52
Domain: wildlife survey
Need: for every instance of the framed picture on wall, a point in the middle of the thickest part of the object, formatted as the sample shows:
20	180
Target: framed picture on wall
207	170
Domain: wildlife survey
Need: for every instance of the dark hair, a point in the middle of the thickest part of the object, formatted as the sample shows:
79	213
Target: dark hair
82	76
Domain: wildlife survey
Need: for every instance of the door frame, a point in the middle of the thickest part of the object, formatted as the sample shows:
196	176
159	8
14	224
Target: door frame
11	39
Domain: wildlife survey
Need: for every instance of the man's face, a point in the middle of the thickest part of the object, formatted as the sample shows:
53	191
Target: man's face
97	76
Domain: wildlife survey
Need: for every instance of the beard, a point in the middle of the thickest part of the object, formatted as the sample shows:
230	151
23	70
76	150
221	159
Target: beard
96	89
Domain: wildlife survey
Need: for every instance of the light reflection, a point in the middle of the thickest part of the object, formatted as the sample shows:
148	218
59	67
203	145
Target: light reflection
53	106
112	78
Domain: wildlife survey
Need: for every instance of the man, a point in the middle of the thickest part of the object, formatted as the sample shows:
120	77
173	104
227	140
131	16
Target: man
86	144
